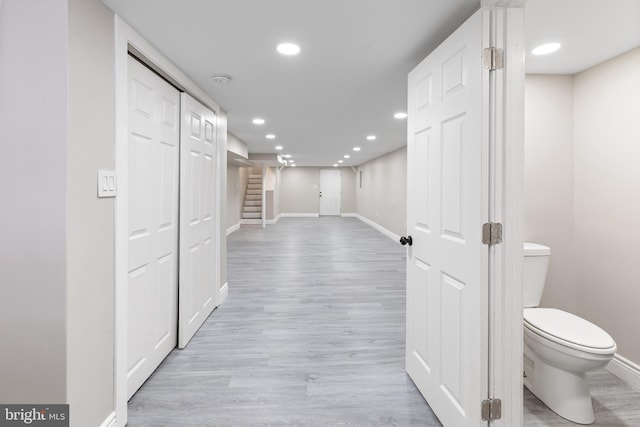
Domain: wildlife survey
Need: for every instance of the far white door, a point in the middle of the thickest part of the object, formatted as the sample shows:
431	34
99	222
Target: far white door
330	191
447	323
153	140
198	257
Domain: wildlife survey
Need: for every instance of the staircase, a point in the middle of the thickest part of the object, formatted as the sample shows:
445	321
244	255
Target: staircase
252	211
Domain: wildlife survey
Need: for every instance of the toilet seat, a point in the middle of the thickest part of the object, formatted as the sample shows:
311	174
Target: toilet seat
568	330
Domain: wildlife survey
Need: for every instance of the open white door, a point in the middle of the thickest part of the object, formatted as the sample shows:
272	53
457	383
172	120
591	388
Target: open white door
198	164
330	186
152	235
447	193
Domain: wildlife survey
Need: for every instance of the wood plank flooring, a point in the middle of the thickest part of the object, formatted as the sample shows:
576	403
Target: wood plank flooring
312	334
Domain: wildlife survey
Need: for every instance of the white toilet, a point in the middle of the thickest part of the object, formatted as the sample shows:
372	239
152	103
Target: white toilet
559	347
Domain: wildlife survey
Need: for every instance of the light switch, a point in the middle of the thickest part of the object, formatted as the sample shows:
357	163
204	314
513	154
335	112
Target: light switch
106	183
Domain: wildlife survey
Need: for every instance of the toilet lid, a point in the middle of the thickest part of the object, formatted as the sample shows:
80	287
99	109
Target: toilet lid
567	327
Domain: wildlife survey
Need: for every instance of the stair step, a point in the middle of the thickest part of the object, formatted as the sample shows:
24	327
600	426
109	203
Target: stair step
253	192
255	180
251	222
254	197
252	209
253	203
252	215
255	176
255	186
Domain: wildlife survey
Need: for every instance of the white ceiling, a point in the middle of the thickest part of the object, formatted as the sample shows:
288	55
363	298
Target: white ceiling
350	77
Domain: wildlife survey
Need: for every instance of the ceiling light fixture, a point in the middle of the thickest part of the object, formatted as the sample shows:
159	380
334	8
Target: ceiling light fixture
223	79
356	148
346	156
287	156
335	165
340	161
371	138
258	121
270	136
546	48
288	49
293	165
278	147
400	116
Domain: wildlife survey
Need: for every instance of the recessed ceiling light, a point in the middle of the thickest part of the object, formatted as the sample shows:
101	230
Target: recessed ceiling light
356	148
340	161
288	48
546	48
400	115
221	78
287	156
335	165
258	121
270	136
346	156
293	166
278	147
371	138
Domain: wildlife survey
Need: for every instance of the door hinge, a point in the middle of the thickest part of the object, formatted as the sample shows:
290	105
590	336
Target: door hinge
491	409
493	58
492	233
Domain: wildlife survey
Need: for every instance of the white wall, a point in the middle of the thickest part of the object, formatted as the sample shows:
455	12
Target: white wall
237	178
607	198
33	183
582	181
90	221
300	190
549	182
382	198
348	193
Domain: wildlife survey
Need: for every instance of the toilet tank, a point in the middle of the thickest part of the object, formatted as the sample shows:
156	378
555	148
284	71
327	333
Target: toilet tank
534	271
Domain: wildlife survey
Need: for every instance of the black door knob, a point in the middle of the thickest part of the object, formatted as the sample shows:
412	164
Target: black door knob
406	241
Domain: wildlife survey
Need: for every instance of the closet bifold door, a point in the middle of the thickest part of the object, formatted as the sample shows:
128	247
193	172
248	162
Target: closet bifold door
198	174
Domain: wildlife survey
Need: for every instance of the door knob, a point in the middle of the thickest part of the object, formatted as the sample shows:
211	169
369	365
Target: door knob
406	241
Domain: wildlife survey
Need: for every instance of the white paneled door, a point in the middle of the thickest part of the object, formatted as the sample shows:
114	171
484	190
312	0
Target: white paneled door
447	276
198	257
330	192
153	152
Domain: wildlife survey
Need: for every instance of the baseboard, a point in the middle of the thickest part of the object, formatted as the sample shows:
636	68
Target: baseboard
378	227
273	221
626	370
349	215
110	421
223	293
233	228
299	215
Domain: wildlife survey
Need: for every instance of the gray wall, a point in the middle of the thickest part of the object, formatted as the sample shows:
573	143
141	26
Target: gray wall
237	178
348	193
383	195
90	221
34	186
583	184
607	198
549	181
300	190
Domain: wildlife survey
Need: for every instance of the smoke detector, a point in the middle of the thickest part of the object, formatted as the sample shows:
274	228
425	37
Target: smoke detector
222	79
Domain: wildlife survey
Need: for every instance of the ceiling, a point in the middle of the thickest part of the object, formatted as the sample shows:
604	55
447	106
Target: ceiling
350	77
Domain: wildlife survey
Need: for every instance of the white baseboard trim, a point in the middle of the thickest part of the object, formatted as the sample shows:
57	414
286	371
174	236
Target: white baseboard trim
273	221
223	294
626	370
378	227
299	215
233	228
349	215
110	421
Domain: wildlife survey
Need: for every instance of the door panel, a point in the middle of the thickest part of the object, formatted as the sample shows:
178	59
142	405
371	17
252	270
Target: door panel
153	222
447	204
330	192
198	171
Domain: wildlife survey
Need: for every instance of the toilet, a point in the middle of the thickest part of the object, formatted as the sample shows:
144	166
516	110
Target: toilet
559	347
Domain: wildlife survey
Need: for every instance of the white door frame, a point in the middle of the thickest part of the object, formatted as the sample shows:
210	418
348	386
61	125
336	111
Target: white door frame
125	38
506	135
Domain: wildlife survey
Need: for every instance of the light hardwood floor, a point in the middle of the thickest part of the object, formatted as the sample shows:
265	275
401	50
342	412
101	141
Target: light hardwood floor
312	334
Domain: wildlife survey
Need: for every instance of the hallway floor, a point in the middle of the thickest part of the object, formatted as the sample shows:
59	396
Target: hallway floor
312	334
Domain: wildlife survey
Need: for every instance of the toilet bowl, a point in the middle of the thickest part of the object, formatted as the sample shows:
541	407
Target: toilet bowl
559	347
